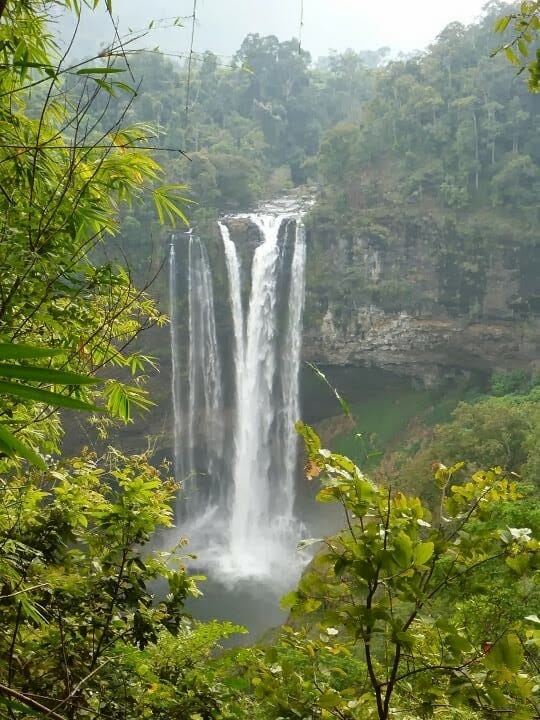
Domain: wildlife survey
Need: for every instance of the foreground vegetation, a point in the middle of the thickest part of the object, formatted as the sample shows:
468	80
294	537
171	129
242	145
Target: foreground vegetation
417	608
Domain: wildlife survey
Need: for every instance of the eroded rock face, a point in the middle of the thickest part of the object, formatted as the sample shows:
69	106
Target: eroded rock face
422	301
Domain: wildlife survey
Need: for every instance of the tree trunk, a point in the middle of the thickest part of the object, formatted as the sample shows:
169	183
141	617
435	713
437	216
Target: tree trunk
476	153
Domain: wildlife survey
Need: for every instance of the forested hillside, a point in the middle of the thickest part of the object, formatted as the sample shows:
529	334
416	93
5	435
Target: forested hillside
453	124
424	605
426	172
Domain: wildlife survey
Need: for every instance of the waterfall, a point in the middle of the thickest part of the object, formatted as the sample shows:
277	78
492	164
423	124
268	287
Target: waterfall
235	297
205	409
239	495
175	361
290	368
250	516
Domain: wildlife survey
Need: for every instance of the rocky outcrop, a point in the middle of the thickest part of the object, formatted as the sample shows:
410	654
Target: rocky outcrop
422	300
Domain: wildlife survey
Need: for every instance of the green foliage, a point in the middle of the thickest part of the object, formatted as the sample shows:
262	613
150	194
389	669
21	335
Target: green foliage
78	593
441	156
64	178
501	430
382	583
524	26
76	600
512	382
9	444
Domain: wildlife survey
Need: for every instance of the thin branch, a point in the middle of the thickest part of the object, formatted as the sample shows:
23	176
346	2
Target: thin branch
29	702
120	146
13	642
190	61
79	685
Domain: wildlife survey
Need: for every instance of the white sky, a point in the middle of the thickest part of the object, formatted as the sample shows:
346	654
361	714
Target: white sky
328	24
336	24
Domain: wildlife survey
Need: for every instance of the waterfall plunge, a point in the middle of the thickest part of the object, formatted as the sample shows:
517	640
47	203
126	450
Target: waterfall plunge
239	514
251	536
205	410
175	361
290	368
262	527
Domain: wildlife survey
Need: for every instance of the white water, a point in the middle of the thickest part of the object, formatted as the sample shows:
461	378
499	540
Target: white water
175	359
239	507
249	540
205	410
235	297
290	368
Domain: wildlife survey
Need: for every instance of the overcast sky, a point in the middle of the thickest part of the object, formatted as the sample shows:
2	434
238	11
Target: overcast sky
328	24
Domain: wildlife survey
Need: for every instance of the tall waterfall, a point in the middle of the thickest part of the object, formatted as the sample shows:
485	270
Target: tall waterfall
175	361
205	410
290	368
235	297
239	495
250	515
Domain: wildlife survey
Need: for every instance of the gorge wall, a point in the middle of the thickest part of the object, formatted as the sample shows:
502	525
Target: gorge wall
421	296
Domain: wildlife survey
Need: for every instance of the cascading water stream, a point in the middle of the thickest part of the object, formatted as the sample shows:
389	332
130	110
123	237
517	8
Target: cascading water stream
290	369
175	361
235	297
250	517
239	497
205	409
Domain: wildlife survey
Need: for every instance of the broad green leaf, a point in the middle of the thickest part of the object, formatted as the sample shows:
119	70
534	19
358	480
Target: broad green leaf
497	698
511	55
45	375
44	396
311	439
12	446
523	47
402	553
502	23
423	552
329	699
12	351
506	653
288	600
458	643
406	639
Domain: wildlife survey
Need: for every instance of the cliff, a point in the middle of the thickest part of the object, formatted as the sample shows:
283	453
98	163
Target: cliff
422	296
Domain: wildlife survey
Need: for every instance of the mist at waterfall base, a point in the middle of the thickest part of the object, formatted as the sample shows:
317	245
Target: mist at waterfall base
237	458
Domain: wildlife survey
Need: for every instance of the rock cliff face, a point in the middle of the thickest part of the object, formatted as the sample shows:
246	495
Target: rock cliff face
422	299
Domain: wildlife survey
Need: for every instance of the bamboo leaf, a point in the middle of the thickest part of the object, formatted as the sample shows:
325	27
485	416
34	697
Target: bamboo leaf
45	375
12	705
12	351
99	71
12	446
45	396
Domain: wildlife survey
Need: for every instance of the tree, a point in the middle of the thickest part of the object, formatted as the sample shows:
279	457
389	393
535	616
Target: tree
384	583
524	25
75	603
64	178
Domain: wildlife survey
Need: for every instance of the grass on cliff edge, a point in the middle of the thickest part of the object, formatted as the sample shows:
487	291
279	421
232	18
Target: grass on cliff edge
382	422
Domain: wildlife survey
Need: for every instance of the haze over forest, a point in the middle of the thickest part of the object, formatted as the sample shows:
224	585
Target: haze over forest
327	25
